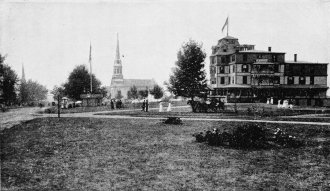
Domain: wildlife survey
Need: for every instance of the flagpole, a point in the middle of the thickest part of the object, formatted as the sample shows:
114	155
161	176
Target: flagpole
227	25
90	64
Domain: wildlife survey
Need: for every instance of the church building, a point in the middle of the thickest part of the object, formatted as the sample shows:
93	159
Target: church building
121	86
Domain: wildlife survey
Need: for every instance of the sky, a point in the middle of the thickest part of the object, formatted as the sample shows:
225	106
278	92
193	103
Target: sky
52	38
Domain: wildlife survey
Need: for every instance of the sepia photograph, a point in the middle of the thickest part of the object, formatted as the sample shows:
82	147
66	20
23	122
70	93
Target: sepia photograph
164	95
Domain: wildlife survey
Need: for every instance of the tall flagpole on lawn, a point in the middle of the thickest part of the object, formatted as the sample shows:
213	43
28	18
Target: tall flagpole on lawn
227	24
90	64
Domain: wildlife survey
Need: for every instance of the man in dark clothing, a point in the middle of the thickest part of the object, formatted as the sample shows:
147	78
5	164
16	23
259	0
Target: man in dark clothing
143	105
147	106
111	103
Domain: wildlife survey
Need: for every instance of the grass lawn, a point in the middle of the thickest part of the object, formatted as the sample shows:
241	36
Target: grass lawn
130	154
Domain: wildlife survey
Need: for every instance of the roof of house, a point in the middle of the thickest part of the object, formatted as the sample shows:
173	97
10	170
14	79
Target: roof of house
260	51
229	37
301	62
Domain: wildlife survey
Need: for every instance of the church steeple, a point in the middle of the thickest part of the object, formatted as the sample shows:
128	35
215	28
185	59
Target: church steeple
23	74
117	67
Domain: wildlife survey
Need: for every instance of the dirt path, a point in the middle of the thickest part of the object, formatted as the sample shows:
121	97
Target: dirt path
16	116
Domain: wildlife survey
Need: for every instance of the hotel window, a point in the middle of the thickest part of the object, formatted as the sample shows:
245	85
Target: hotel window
290	80
221	70
233	58
312	69
244	57
222	80
233	80
244	79
244	68
274	58
311	81
276	80
223	60
228	80
302	80
276	68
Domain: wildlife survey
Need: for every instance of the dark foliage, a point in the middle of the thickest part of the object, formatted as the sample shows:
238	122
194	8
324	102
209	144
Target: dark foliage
249	136
79	83
173	120
8	81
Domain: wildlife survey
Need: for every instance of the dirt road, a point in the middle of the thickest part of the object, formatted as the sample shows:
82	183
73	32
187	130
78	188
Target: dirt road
16	116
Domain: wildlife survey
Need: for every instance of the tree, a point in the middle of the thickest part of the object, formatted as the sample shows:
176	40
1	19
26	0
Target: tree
58	90
144	93
157	91
104	91
79	83
132	93
188	78
118	95
8	82
33	92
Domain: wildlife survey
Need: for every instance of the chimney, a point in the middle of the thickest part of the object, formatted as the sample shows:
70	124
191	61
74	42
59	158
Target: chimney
295	57
269	49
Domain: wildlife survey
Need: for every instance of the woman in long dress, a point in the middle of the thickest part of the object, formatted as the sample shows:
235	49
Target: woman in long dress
169	108
160	106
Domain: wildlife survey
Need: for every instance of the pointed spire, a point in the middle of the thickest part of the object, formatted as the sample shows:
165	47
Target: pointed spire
23	74
117	51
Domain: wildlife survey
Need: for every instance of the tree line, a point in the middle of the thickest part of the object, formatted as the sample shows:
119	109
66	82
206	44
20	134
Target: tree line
15	91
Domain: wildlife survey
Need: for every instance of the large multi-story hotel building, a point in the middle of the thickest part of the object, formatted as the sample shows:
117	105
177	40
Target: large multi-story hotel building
240	73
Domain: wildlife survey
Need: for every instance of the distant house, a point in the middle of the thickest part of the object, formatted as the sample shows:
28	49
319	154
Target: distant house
121	85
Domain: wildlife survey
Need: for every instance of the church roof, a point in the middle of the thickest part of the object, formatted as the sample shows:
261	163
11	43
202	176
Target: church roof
135	82
139	82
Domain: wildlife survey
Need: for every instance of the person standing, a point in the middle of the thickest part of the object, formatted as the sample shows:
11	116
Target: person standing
147	105
111	104
169	108
160	106
143	105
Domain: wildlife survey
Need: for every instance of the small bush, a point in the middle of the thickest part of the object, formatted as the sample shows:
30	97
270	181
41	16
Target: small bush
50	110
173	120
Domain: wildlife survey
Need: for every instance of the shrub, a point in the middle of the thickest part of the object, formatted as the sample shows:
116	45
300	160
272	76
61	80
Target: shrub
50	110
173	120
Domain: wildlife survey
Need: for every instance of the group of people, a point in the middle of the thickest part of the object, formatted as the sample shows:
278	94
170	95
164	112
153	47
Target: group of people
116	104
145	105
169	108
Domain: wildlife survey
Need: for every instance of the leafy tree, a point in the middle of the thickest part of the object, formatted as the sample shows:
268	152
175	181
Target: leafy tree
58	90
33	92
157	91
144	93
104	91
118	95
188	78
79	83
132	93
8	82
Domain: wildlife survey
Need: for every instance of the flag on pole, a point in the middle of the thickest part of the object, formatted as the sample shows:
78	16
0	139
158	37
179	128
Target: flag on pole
226	23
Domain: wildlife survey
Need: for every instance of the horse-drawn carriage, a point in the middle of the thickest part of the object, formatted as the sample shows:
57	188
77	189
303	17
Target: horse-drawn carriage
208	105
